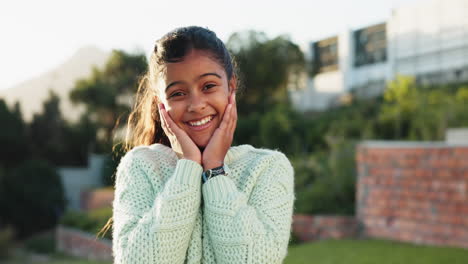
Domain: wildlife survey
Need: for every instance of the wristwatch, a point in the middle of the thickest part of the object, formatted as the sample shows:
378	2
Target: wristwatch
208	174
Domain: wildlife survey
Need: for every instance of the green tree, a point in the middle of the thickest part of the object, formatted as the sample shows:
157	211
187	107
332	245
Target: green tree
460	117
47	132
413	112
325	180
107	93
13	136
81	139
281	128
267	67
34	197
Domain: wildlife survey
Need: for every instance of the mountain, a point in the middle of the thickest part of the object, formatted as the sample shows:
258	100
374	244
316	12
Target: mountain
32	93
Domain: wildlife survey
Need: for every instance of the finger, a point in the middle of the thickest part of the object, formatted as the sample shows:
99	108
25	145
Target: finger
233	118
225	121
234	106
233	121
170	123
161	116
229	118
164	124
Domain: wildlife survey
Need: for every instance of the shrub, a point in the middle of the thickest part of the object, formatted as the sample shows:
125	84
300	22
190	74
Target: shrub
325	181
281	128
43	243
6	239
33	197
110	164
91	221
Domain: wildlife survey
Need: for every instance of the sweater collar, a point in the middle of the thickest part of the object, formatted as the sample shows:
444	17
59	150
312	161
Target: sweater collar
234	152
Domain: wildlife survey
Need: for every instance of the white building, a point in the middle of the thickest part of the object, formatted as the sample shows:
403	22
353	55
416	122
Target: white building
78	179
428	39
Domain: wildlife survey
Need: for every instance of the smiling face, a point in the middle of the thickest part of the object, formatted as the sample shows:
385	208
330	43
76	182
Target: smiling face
195	93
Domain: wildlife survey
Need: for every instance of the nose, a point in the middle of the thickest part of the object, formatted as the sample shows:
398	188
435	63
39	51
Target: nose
197	102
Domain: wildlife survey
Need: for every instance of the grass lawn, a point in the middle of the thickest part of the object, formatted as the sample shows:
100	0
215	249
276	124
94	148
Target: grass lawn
332	252
59	258
373	252
55	258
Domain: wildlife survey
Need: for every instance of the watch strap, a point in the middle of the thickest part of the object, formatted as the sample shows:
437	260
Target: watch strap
208	174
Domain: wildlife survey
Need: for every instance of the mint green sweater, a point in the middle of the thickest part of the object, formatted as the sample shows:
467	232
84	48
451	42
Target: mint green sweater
163	213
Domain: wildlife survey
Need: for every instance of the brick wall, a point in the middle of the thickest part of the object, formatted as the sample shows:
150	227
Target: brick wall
318	227
413	192
81	244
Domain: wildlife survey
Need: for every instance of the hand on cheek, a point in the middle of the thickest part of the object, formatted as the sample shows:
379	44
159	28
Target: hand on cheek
221	140
181	143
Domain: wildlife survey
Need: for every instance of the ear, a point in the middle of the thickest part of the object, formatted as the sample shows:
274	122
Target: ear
232	84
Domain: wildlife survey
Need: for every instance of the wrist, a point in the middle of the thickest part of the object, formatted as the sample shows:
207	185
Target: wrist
213	172
211	165
193	159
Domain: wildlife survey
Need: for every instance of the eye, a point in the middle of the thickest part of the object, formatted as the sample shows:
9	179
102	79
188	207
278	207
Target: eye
176	94
209	86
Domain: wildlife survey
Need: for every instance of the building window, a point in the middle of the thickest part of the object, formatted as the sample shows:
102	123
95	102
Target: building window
325	55
370	45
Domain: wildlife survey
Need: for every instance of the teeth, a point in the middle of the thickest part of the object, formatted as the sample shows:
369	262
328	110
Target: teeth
201	122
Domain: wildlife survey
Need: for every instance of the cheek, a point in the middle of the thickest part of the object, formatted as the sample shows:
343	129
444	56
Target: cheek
221	106
175	111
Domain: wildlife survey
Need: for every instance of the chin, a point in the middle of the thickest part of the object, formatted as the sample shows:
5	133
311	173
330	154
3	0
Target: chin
202	144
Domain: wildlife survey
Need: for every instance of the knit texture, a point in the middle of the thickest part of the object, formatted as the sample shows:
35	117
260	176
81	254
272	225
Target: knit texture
164	214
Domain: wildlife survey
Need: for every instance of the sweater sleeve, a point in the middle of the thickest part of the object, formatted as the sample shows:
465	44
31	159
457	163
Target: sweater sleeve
253	229
153	222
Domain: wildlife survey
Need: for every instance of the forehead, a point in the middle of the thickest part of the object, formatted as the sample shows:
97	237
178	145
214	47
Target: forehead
194	64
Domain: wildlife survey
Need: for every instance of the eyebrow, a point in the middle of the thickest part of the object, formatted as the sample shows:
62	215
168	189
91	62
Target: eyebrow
198	78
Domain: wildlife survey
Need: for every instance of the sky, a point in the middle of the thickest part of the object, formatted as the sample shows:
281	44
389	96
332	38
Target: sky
37	36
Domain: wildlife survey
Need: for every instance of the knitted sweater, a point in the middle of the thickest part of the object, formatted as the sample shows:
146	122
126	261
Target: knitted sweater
163	213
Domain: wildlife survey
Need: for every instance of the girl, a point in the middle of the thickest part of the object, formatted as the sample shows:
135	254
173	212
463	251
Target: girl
184	194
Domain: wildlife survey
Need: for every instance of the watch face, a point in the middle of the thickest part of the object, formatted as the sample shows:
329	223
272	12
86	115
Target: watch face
213	172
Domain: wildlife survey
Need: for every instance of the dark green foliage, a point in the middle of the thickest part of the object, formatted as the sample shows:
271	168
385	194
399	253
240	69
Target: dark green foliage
111	163
48	132
14	146
247	129
33	197
58	141
267	67
6	241
43	243
107	94
325	178
325	181
276	128
415	112
81	139
91	221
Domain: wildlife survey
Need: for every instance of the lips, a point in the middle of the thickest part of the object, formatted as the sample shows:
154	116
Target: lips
200	122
